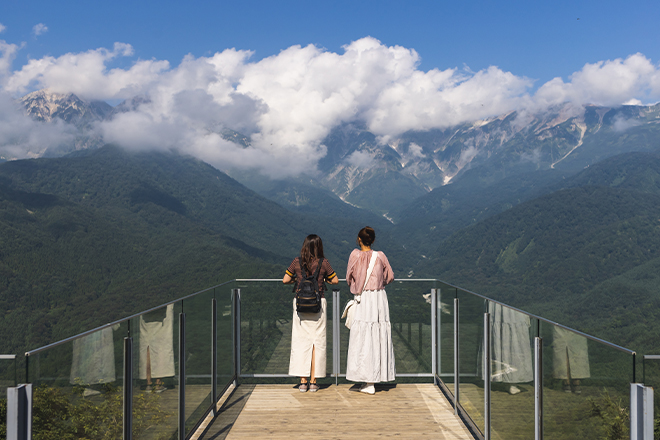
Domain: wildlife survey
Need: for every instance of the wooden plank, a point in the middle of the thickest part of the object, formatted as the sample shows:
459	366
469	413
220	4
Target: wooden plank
341	412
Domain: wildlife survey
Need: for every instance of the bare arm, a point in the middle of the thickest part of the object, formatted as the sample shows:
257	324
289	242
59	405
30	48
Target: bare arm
287	279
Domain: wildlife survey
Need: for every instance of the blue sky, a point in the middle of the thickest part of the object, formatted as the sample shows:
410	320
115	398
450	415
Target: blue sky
286	73
536	39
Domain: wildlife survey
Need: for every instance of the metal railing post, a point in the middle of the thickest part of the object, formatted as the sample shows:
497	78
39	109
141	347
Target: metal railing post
236	318
128	388
19	412
182	376
487	374
214	354
538	388
434	335
336	332
641	412
457	375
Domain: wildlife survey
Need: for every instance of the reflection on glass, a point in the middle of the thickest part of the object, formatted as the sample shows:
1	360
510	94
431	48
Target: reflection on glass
586	387
93	360
155	390
471	334
570	360
157	347
76	389
511	350
511	366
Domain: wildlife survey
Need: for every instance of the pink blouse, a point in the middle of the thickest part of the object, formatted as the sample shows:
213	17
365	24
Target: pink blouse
358	263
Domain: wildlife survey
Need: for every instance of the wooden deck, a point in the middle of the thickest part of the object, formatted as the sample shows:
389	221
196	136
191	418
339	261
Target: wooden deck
336	412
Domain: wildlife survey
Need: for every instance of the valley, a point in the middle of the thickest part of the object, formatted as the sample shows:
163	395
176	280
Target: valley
533	210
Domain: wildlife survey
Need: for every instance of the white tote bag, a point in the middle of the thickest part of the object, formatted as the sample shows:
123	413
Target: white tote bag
349	310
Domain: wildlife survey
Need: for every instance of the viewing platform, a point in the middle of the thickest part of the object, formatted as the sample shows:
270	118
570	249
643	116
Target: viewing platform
336	412
213	365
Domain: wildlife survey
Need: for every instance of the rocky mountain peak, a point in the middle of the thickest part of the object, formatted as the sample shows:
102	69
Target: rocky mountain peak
46	105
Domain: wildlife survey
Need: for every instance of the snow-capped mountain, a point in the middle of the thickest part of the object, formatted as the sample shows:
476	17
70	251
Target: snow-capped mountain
565	138
45	105
383	176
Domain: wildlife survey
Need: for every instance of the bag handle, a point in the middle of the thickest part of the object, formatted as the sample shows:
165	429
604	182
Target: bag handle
370	269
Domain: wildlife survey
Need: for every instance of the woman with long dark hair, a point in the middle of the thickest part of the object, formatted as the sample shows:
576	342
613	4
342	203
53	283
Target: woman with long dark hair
370	351
308	329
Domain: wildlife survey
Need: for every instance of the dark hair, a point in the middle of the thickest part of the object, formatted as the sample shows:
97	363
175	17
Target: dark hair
312	250
367	235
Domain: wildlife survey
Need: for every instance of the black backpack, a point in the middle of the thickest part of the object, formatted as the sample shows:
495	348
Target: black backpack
308	295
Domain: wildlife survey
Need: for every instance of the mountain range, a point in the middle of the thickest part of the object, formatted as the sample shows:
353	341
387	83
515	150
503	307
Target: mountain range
538	210
390	175
101	234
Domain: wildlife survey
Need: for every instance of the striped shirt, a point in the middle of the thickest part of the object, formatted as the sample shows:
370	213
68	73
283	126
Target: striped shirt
326	272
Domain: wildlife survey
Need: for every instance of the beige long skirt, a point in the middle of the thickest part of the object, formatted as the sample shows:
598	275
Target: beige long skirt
370	349
307	334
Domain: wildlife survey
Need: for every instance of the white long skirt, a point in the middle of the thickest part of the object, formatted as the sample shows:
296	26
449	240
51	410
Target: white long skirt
370	350
307	334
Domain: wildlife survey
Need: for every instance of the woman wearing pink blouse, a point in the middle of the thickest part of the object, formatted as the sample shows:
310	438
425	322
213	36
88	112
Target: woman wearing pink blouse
370	351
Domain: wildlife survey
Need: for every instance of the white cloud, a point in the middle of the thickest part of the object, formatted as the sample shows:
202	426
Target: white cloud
7	55
22	137
39	29
86	75
289	102
2	28
360	159
466	156
608	83
622	124
415	150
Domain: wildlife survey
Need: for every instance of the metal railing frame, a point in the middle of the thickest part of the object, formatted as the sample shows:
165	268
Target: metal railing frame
436	373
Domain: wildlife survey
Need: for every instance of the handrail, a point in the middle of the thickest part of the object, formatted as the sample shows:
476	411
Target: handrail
540	318
80	335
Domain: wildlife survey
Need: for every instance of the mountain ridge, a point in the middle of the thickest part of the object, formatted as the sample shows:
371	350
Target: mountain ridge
357	163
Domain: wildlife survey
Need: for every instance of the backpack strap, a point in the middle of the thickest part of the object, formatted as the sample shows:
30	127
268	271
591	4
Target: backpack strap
318	269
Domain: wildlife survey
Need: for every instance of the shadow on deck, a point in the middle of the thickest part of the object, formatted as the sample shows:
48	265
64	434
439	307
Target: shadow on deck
342	412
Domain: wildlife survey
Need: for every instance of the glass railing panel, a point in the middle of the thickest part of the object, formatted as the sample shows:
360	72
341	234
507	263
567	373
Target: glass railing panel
8	373
586	387
345	296
266	321
471	332
198	352
78	386
329	327
512	373
410	317
225	336
445	323
155	372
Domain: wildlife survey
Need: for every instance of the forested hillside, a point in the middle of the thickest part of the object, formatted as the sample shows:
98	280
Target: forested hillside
99	235
585	256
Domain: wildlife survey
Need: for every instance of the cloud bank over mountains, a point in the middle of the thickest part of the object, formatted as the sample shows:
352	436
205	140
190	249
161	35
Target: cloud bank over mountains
289	102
